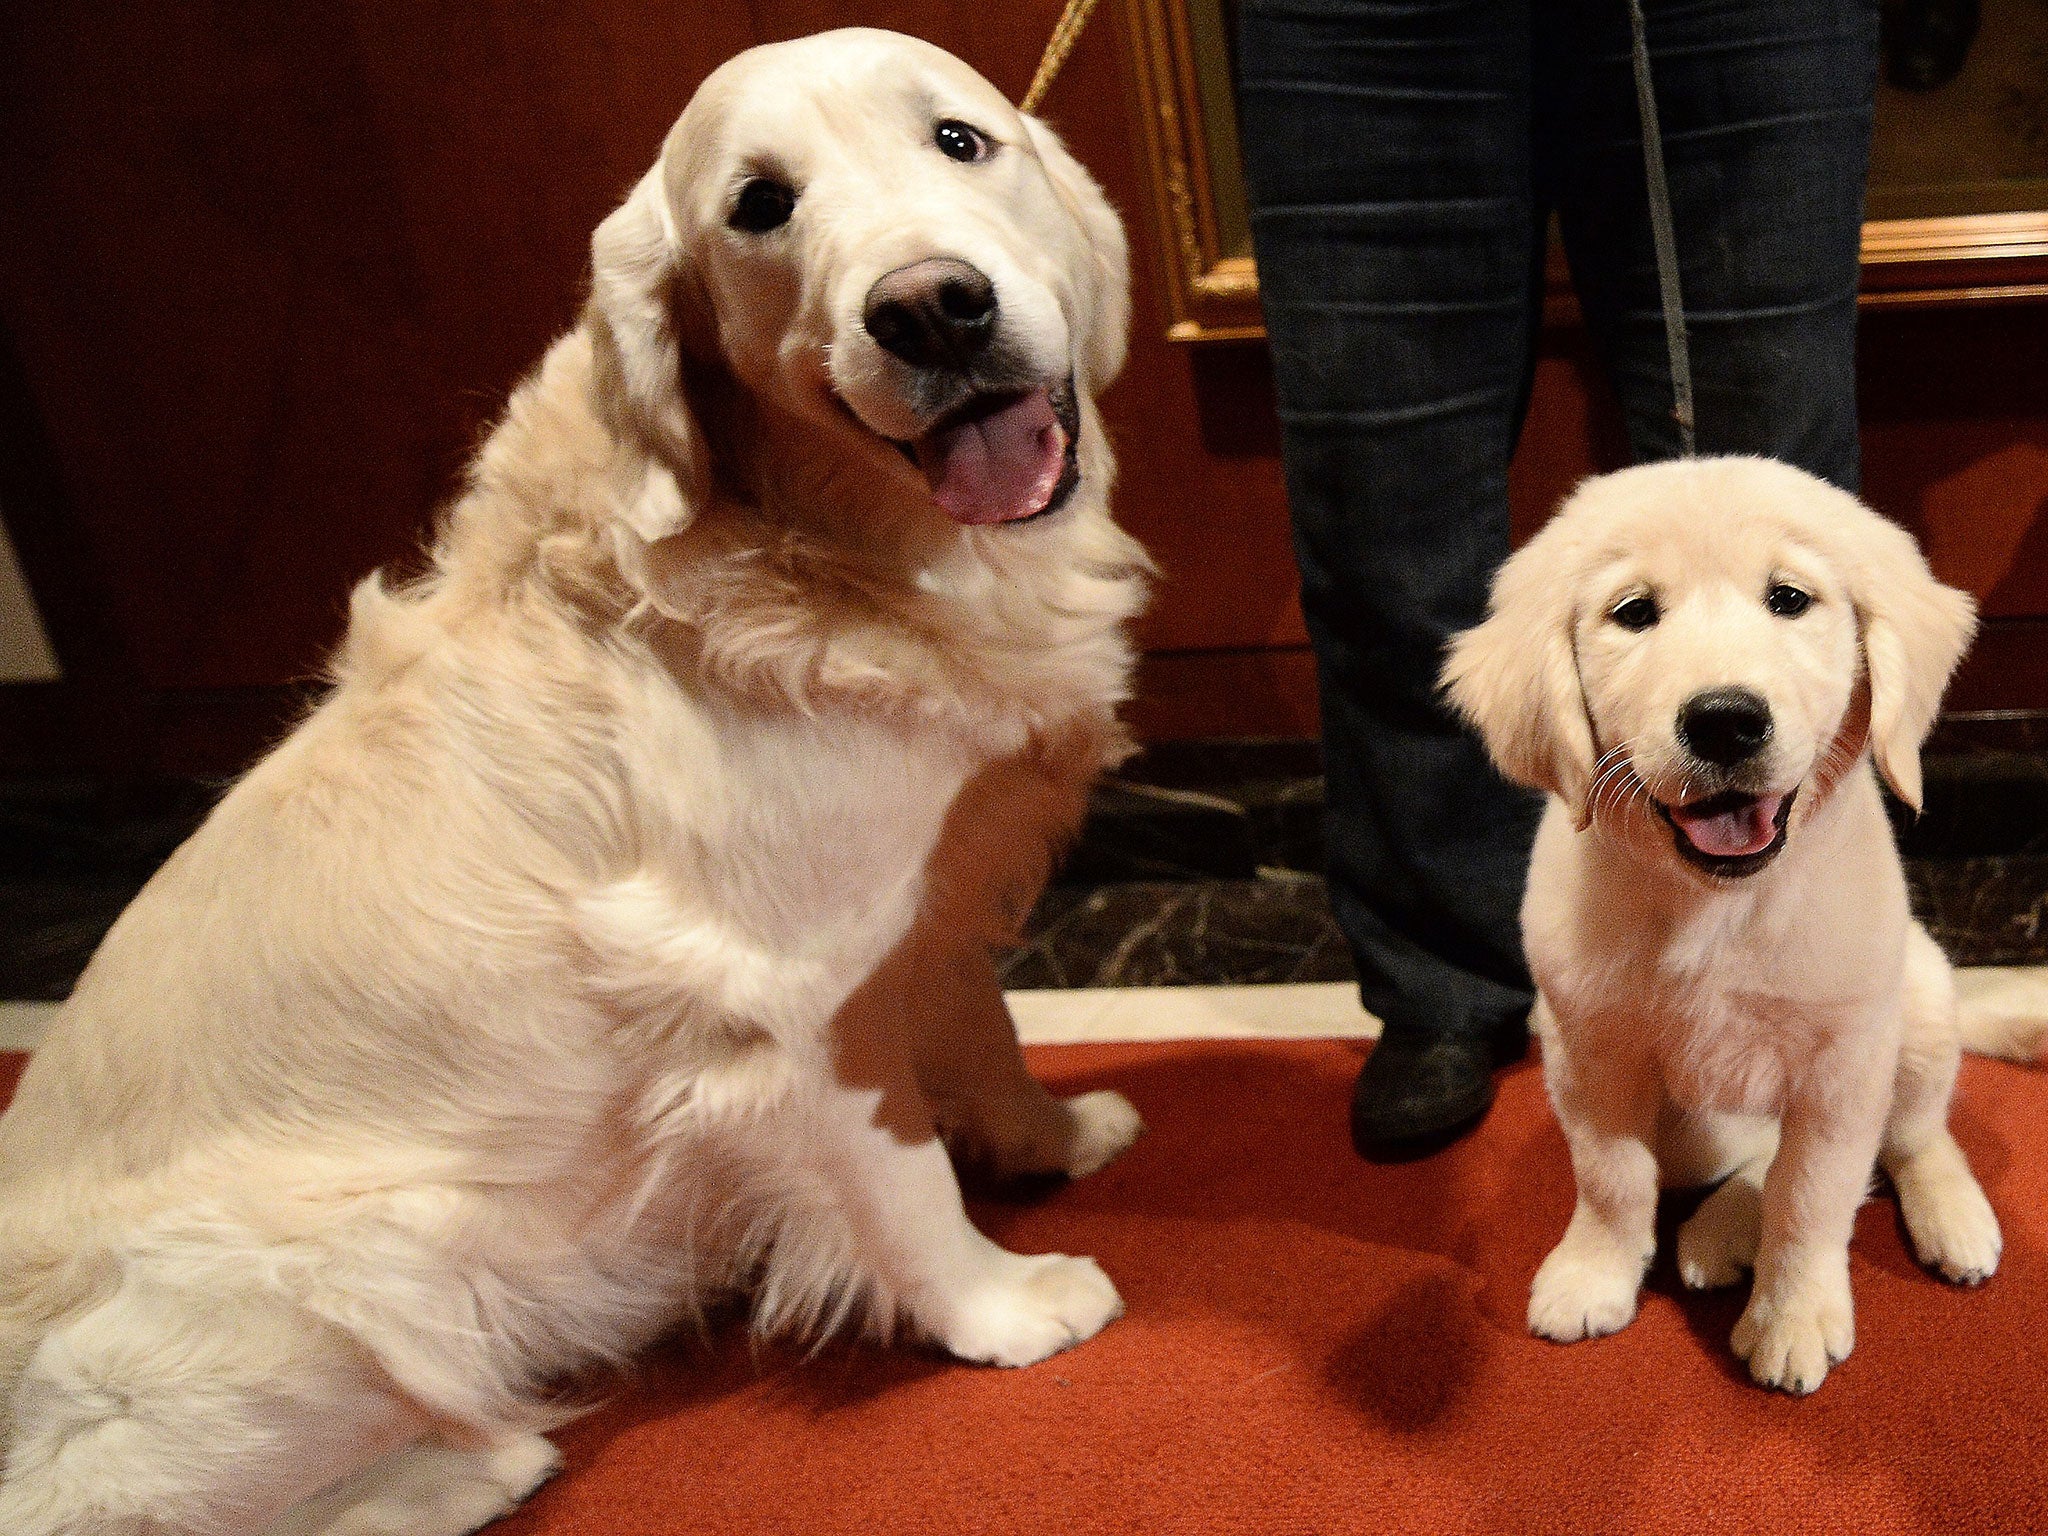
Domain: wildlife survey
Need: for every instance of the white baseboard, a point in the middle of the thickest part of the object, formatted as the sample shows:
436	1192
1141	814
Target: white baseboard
1290	1011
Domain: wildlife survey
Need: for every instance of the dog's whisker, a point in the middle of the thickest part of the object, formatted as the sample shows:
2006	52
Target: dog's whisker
1616	783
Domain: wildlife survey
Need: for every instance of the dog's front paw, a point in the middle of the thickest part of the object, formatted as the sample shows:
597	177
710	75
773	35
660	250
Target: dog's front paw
1791	1338
1105	1123
1036	1307
1717	1245
1585	1290
1953	1227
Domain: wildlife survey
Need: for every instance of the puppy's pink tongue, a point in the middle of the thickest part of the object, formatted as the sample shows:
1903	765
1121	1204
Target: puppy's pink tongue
1729	832
999	467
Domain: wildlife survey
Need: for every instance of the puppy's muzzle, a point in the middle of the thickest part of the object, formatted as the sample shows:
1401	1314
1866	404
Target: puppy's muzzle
935	313
1734	832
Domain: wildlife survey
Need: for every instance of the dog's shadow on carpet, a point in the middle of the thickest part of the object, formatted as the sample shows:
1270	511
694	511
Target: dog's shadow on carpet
1411	1362
694	1369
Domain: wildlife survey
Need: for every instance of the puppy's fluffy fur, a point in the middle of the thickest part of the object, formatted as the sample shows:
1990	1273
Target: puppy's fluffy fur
1712	1006
616	932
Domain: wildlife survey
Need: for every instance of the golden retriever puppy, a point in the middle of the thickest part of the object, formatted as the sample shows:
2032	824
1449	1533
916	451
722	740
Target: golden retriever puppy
615	933
1700	661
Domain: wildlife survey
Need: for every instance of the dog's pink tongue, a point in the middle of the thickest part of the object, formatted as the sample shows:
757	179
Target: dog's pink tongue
1748	827
999	468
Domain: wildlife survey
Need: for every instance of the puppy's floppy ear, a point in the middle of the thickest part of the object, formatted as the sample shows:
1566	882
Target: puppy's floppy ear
636	277
1914	631
1516	678
1104	320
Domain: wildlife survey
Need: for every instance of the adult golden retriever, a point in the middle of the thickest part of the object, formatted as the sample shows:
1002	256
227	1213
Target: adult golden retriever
616	932
1700	661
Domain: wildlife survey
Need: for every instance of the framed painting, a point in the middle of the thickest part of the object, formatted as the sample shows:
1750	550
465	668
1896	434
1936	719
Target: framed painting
1958	203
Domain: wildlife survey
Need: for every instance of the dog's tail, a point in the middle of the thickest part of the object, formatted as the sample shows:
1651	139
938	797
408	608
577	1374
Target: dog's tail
2004	1012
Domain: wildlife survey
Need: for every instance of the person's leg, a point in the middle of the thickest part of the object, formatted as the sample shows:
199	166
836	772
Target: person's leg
1387	151
1765	109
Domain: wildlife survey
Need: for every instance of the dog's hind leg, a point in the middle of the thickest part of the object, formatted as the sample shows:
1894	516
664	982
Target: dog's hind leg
428	1488
995	1116
1717	1245
170	1409
940	982
892	1214
1952	1225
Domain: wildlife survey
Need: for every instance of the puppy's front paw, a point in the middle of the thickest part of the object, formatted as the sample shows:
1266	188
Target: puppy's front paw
1953	1227
1717	1245
1792	1338
1037	1307
1105	1123
1585	1290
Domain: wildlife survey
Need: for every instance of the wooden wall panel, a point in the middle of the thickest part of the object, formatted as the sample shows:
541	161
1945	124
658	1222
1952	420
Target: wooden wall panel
271	270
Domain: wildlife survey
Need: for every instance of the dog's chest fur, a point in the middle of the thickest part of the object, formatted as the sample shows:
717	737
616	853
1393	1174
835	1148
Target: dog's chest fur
1726	994
772	883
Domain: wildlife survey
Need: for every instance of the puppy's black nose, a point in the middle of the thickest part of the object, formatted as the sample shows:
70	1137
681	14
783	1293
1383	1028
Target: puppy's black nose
1724	725
935	313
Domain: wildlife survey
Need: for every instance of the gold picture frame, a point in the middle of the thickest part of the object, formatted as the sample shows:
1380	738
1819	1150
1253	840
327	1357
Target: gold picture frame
1186	126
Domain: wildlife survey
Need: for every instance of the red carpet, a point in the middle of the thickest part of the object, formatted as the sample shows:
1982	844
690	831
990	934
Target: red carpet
1316	1345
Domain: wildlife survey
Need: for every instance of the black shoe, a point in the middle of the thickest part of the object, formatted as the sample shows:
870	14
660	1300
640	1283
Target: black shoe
1416	1096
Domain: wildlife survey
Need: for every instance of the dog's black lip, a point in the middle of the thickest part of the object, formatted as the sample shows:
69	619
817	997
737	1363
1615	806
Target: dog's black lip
980	403
1740	865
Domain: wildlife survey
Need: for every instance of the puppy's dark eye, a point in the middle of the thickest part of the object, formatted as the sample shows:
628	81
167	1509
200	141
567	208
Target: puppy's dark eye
763	204
1638	613
957	141
1787	602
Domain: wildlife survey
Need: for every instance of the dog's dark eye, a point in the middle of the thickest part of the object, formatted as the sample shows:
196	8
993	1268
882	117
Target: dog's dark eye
1638	613
957	141
1787	602
763	204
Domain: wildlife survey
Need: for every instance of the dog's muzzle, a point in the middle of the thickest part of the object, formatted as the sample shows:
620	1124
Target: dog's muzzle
1001	447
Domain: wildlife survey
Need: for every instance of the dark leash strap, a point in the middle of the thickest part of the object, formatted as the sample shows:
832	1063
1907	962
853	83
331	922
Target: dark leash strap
1660	234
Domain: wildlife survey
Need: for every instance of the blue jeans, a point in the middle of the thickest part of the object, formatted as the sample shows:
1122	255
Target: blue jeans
1403	159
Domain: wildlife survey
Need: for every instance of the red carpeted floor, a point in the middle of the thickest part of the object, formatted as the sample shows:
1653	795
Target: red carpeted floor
1317	1345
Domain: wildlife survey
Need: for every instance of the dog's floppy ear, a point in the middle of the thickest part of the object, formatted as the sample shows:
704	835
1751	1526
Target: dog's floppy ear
1105	319
1516	678
636	276
1914	631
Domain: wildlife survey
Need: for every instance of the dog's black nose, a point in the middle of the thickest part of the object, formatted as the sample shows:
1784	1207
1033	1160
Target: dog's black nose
935	313
1724	725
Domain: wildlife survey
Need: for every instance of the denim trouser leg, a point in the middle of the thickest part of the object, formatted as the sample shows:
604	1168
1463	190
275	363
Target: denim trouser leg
1388	150
1401	157
1765	109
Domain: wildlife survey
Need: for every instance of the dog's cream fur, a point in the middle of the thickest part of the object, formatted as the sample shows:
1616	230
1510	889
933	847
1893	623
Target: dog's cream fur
615	934
1783	1031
